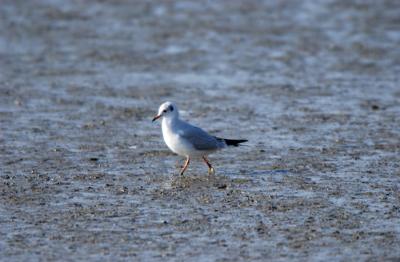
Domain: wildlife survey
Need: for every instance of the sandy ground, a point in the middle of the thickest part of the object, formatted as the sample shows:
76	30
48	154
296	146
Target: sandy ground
314	86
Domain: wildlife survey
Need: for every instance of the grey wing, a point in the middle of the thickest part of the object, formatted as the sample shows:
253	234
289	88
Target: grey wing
200	139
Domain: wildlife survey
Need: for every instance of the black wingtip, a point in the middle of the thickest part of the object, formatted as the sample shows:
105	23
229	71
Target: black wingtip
234	142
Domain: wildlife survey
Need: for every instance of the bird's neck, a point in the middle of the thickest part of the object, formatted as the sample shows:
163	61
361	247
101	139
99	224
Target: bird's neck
170	121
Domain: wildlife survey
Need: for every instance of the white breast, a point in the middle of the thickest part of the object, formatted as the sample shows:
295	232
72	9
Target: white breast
176	143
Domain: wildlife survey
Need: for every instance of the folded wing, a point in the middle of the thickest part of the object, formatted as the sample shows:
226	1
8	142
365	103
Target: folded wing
200	139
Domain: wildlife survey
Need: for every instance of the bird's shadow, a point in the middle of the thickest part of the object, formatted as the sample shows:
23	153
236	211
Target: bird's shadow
194	182
197	182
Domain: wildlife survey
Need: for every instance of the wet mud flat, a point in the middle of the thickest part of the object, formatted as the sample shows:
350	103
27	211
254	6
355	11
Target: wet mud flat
313	85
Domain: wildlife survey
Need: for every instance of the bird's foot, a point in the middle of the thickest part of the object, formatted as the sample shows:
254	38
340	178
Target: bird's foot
211	171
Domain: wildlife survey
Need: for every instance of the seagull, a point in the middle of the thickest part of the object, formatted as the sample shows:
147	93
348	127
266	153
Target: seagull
187	140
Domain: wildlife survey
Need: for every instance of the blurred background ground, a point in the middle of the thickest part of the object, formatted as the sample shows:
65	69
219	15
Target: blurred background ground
314	86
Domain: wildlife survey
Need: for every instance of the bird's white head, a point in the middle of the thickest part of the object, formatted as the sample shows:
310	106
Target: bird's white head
167	110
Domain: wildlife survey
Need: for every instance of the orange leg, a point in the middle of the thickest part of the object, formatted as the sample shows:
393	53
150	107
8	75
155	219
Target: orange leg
211	170
185	166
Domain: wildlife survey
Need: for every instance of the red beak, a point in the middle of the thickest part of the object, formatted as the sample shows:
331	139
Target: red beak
156	117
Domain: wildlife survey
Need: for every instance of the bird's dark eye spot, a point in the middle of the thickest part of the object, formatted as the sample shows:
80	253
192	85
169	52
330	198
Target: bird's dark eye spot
171	108
164	111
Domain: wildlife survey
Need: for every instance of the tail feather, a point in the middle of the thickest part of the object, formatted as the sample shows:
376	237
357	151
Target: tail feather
232	142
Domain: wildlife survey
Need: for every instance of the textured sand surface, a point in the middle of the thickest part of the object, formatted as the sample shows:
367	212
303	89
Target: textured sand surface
314	85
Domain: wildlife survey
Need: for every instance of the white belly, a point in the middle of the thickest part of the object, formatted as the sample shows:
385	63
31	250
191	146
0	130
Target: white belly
177	144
